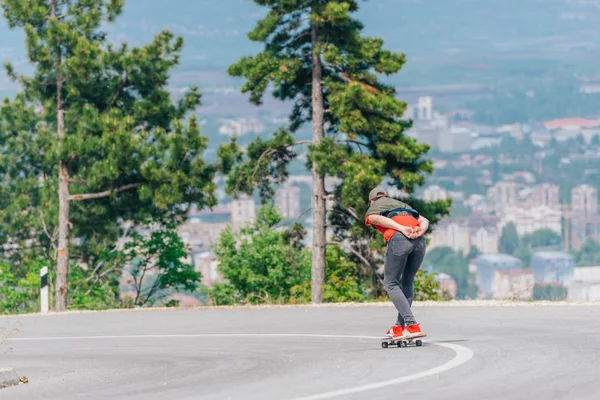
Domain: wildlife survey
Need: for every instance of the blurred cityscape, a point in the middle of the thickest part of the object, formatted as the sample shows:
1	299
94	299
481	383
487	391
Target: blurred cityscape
539	180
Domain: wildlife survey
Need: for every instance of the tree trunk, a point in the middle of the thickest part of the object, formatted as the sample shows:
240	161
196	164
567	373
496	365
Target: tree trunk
318	180
62	267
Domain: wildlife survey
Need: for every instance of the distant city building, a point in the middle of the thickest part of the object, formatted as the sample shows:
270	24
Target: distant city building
514	284
462	233
452	234
582	228
552	267
435	193
457	139
546	194
571	124
206	263
487	265
448	285
425	108
584	200
502	194
201	235
288	202
397	193
524	177
476	202
428	135
585	285
241	127
243	211
486	239
529	220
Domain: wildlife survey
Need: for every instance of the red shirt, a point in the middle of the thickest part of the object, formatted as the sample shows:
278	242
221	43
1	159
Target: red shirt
406	220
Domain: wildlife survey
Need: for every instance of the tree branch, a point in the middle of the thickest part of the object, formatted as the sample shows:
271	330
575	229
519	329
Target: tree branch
266	153
300	142
301	215
350	211
352	141
51	237
360	256
114	97
106	193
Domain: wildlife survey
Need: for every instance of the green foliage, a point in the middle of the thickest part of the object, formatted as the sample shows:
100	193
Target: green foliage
261	263
473	253
445	260
541	238
91	294
130	151
509	239
426	287
524	254
549	292
20	294
154	262
344	281
224	294
588	254
263	164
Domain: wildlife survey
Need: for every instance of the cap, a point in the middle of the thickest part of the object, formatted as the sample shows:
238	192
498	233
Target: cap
377	192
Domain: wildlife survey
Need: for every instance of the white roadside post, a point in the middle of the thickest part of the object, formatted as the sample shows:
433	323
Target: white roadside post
44	289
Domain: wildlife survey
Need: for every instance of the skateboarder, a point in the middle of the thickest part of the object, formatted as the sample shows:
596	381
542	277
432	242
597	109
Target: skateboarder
403	229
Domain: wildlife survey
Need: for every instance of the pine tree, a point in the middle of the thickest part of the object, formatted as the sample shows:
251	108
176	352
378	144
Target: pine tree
316	57
93	138
509	239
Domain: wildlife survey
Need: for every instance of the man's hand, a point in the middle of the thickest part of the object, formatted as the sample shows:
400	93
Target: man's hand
418	232
409	232
422	228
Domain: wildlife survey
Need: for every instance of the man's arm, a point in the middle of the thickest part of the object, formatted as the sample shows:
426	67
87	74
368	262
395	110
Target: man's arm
424	225
388	223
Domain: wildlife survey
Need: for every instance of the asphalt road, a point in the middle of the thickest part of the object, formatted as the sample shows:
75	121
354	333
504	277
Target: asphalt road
307	353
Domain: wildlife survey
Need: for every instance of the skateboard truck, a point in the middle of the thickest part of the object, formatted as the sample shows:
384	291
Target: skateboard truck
386	342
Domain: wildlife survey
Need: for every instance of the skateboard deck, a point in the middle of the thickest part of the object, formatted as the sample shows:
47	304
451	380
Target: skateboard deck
401	342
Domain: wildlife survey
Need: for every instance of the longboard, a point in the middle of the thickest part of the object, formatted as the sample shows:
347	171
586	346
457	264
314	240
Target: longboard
401	342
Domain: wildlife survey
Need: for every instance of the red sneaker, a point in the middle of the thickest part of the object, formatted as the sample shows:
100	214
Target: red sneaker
395	332
414	331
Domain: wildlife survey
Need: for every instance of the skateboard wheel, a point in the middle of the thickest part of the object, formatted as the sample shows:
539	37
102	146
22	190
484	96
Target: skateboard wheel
419	343
399	344
384	345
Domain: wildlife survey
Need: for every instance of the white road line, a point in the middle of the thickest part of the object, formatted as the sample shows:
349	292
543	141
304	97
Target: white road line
463	354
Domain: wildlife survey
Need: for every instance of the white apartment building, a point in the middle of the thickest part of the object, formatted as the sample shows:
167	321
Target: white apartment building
503	194
545	194
528	220
486	240
514	284
461	234
584	200
434	193
288	202
241	127
425	108
243	211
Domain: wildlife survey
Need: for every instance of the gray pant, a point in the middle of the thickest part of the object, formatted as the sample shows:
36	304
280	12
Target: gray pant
403	259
